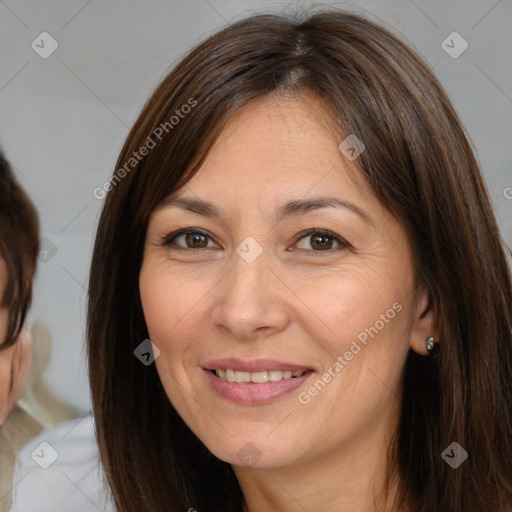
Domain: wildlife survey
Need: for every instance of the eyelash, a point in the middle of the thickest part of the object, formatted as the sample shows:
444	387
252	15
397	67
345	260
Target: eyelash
343	244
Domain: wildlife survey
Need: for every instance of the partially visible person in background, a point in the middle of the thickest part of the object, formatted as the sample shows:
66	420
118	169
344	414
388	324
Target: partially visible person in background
19	246
27	407
29	413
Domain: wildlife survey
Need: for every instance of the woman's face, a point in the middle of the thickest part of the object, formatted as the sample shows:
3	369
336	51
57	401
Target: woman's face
256	295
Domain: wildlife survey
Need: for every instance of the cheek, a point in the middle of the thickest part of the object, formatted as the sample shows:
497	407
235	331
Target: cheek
366	313
351	302
170	306
15	363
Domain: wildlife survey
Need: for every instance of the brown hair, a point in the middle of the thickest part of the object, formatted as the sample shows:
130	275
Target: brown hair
19	246
420	166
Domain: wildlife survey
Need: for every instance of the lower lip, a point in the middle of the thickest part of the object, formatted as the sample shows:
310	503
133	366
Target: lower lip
254	394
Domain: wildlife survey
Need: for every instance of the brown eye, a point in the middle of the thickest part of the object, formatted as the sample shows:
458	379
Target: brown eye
322	240
194	239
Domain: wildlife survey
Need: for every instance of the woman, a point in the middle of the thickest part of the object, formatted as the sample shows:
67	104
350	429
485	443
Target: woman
298	224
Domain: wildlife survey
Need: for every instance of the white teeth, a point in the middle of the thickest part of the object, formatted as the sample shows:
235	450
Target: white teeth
274	375
257	377
242	377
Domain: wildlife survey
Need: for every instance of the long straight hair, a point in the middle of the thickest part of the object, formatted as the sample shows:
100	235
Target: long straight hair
421	167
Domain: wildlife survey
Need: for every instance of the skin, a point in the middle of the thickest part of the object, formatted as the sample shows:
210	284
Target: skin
15	361
297	302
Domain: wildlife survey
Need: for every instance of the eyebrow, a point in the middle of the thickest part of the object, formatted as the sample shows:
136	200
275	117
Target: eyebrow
291	208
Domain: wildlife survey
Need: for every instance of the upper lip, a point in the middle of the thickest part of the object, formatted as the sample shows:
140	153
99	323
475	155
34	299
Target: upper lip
255	365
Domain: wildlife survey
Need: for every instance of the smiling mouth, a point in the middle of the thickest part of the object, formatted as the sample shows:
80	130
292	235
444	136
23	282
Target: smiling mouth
257	377
257	387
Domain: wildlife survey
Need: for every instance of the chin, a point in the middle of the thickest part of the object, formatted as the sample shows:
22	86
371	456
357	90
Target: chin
246	453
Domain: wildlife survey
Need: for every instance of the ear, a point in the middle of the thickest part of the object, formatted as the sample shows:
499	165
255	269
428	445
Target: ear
424	323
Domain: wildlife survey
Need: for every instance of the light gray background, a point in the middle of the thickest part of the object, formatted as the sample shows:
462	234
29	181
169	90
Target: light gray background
63	119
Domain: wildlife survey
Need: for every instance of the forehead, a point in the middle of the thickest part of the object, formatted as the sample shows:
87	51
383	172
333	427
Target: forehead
276	148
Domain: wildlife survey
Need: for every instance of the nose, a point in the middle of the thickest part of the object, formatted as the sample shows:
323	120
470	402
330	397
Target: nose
250	301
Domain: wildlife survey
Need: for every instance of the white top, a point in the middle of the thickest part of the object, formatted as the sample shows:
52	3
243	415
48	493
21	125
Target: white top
59	470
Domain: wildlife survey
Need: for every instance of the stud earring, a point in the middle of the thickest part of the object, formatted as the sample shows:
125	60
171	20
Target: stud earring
430	342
